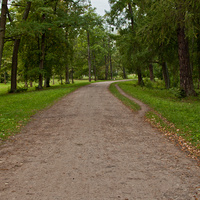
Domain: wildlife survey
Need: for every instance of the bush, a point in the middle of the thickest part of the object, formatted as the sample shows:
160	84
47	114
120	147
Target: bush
19	89
179	93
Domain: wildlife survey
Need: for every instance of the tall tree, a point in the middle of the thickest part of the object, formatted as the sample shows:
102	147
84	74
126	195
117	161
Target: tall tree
2	27
16	50
186	81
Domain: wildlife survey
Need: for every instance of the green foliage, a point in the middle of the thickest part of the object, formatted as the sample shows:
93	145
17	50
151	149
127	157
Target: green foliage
19	89
184	114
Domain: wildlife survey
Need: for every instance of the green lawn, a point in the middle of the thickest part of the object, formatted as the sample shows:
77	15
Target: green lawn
16	109
183	113
124	99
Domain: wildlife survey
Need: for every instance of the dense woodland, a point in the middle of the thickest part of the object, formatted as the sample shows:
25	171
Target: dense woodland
41	40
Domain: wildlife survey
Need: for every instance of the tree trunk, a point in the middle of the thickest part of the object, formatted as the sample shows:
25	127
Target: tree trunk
198	57
124	73
61	80
151	72
14	66
186	81
15	53
5	77
111	70
67	74
2	27
166	75
53	79
41	66
131	14
140	80
47	82
89	58
95	71
106	68
72	75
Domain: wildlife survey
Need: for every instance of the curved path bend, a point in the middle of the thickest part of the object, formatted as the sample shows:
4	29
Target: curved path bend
89	146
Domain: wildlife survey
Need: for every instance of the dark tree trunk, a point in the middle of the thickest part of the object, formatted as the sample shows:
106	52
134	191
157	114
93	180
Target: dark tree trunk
151	72
5	77
106	68
198	57
186	81
14	66
89	58
8	14
166	75
140	80
31	84
47	82
95	73
41	65
15	53
53	79
111	70
124	73
131	14
2	27
61	80
199	77
72	75
67	74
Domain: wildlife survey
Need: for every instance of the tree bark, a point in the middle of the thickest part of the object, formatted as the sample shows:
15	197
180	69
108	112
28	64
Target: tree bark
186	81
151	72
94	67
61	79
14	66
131	14
15	52
89	58
72	75
47	82
111	69
106	68
140	80
198	57
41	65
67	74
5	77
124	73
166	75
2	27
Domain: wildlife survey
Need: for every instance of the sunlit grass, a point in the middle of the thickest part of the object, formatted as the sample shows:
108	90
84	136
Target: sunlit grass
16	109
124	99
183	113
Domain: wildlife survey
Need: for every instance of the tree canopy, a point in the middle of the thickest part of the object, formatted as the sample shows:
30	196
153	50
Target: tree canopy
44	39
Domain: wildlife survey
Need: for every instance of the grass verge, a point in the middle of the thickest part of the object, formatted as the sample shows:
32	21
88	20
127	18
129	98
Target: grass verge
16	109
174	115
124	99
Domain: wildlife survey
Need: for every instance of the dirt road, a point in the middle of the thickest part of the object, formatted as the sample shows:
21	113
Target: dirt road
89	146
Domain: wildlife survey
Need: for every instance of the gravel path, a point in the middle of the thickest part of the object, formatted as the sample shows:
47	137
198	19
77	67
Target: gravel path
89	146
